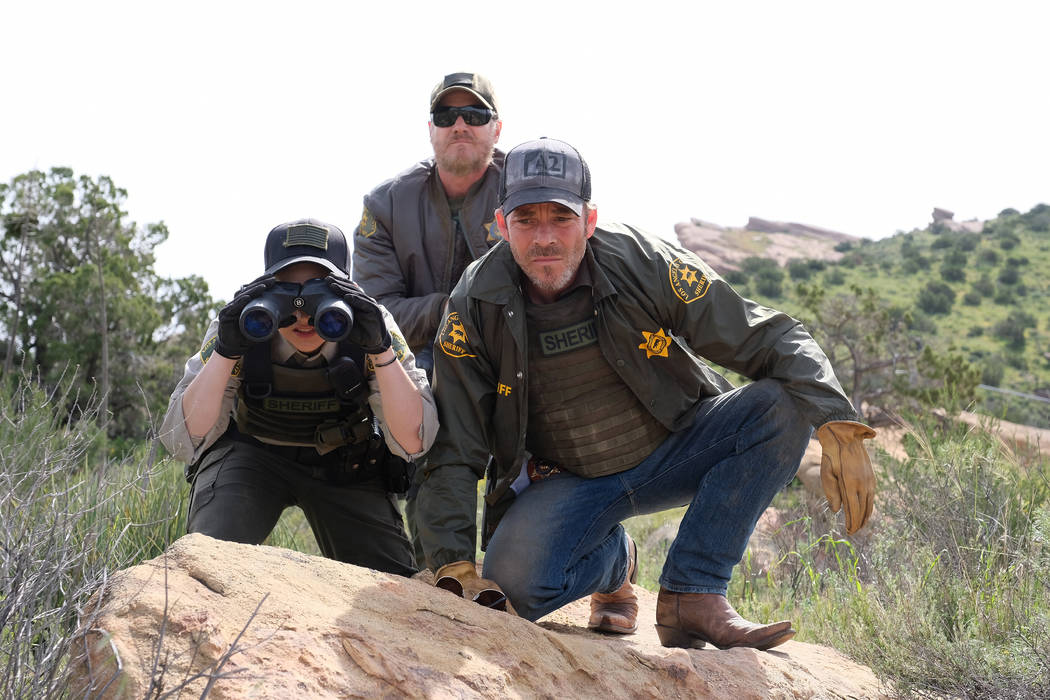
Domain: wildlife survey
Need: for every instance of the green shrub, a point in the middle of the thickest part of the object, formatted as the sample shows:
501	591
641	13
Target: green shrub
1038	218
936	298
834	277
953	273
769	285
988	256
799	269
992	373
735	277
1011	330
984	286
1004	296
1009	275
967	241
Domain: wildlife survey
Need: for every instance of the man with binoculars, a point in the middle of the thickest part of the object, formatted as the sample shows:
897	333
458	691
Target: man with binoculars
304	393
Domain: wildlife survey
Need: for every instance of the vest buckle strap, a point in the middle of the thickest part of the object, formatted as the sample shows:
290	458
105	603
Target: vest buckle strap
257	390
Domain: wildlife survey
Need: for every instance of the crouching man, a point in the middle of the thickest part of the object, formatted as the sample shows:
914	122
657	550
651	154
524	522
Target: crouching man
571	354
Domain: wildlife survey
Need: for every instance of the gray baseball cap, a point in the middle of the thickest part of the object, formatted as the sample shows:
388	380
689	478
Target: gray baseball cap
477	85
306	240
544	170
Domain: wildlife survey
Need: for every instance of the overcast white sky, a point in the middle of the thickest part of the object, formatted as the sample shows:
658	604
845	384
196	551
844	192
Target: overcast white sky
223	119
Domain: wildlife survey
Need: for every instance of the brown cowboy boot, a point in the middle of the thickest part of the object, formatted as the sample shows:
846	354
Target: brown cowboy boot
617	612
688	620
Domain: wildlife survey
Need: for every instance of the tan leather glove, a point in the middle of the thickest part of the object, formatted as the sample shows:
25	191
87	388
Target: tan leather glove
845	470
461	578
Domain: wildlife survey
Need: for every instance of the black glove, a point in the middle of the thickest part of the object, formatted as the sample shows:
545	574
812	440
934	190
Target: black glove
369	329
231	342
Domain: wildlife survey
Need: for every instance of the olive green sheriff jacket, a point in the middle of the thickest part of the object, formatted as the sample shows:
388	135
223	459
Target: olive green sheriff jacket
659	310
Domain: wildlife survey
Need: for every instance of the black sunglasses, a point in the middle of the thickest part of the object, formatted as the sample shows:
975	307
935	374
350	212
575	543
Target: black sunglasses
473	116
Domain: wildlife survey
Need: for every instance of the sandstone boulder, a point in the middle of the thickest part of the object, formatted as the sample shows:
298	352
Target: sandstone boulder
243	621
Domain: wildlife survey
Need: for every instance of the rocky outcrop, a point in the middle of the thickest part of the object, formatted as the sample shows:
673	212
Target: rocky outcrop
253	621
724	248
945	221
756	224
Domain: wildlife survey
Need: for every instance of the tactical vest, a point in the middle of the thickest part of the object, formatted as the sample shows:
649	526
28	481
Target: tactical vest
581	413
326	407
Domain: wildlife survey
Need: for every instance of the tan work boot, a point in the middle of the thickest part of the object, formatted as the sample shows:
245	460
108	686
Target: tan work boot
688	620
617	612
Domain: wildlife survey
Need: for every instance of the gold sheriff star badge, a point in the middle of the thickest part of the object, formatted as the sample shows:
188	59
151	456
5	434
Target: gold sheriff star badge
656	344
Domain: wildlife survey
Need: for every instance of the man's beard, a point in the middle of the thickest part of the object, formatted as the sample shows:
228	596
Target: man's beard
463	165
549	280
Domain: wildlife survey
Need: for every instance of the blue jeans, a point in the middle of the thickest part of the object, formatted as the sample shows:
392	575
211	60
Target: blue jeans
561	539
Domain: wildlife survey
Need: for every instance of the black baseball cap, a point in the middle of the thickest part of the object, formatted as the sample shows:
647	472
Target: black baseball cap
477	85
544	170
307	240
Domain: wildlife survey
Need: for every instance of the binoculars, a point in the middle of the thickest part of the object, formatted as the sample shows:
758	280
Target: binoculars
276	308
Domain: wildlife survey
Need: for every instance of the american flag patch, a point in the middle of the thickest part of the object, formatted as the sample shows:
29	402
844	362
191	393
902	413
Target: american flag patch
307	234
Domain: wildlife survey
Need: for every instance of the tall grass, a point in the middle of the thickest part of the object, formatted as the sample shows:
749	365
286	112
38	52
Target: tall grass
69	516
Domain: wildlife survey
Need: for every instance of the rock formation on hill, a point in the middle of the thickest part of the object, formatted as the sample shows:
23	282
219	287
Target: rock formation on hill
723	248
262	622
945	220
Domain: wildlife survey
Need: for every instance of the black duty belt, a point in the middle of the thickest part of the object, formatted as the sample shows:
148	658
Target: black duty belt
337	466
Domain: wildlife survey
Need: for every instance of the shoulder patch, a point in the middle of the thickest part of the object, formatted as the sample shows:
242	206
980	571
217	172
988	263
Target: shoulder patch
453	338
688	283
367	227
208	349
397	344
493	236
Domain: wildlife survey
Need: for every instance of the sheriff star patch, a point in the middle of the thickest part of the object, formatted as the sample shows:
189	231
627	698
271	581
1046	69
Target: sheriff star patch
453	339
367	227
656	344
494	234
688	283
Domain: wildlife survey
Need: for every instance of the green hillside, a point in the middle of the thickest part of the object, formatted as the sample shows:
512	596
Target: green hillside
980	295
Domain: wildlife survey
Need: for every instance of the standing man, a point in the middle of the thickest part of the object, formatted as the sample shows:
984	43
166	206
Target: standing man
571	354
420	229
